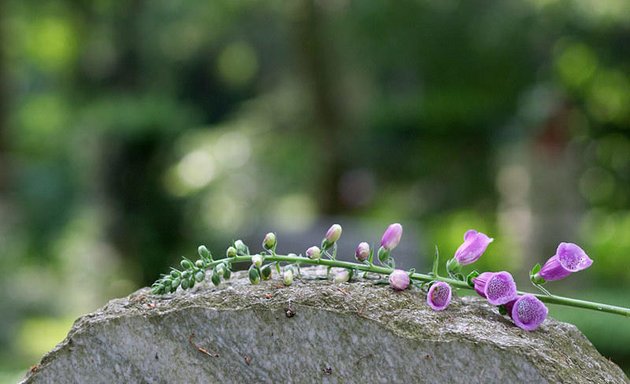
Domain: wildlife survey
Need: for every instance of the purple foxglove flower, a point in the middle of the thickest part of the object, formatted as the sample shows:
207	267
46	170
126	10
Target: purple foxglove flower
333	234
392	236
499	288
362	252
475	244
399	280
439	296
527	312
569	258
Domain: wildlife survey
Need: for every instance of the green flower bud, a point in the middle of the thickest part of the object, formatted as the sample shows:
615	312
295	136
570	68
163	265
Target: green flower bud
185	275
333	234
227	273
269	242
199	276
176	282
200	264
186	264
157	289
191	281
203	252
241	248
230	252
175	273
220	269
254	276
313	253
342	276
185	284
167	282
216	279
287	277
257	260
265	272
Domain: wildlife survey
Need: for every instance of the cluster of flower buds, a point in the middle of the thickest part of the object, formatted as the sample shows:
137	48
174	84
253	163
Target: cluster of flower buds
191	273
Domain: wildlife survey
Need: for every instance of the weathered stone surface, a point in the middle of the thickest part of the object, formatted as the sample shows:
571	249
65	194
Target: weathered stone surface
314	331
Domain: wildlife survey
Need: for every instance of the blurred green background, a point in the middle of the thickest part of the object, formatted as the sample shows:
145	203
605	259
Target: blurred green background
133	130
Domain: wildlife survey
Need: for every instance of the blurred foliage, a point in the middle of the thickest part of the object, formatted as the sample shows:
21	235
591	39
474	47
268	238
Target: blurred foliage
131	131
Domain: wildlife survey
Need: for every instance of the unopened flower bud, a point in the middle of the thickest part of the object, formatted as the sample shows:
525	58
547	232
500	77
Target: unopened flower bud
231	252
257	260
199	276
199	264
185	284
216	279
241	248
362	253
392	236
342	276
227	274
186	264
254	276
313	253
203	252
265	272
287	277
332	235
176	282
269	242
220	269
175	273
399	280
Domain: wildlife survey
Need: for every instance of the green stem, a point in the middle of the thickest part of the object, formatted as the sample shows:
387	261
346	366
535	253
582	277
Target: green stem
551	299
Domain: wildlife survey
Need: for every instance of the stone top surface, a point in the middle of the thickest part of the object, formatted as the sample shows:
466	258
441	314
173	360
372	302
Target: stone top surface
314	331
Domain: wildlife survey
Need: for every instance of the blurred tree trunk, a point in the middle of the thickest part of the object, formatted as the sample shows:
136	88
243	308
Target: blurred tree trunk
316	67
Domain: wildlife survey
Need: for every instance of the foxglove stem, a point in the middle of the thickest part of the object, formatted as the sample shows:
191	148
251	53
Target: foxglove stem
552	299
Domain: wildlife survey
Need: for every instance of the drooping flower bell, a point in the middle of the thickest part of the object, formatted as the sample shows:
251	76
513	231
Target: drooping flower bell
498	287
569	258
527	312
474	245
399	280
439	296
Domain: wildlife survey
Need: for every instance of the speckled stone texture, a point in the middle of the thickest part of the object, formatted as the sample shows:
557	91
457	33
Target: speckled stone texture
314	331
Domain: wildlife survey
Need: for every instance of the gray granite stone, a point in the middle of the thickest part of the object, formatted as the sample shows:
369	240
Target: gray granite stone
314	331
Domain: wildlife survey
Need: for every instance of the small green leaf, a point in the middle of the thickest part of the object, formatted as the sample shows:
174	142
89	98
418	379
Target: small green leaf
535	270
503	310
471	276
436	262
